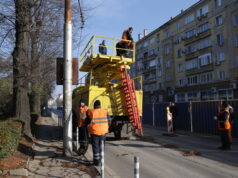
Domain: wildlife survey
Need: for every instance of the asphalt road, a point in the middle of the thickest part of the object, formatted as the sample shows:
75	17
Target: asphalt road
158	161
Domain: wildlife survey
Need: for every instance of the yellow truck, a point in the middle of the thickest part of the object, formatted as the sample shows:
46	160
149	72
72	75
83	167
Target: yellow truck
106	78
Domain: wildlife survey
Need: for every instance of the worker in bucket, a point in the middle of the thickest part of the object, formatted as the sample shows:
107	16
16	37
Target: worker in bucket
124	44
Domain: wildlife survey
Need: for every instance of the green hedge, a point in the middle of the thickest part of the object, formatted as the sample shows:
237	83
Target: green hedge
10	133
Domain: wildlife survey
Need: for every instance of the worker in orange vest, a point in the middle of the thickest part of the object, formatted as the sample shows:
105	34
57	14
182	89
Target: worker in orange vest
98	128
126	35
224	127
83	132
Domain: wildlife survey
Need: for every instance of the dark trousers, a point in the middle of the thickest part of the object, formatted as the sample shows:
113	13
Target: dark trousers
96	145
174	123
225	138
83	139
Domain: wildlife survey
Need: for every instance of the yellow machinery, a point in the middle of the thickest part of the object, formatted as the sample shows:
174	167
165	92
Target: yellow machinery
106	79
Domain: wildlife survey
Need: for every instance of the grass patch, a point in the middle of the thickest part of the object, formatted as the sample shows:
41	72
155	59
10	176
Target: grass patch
10	133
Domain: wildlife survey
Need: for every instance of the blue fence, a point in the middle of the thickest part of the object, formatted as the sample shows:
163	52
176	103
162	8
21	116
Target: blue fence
202	116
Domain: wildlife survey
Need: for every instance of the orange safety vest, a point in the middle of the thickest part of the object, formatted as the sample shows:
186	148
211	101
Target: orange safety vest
99	122
82	115
223	124
125	37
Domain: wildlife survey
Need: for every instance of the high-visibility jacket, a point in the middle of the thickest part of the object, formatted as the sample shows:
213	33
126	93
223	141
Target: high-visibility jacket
126	37
82	115
99	122
223	122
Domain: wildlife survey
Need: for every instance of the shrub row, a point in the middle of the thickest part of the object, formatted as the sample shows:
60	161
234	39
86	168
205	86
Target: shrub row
10	133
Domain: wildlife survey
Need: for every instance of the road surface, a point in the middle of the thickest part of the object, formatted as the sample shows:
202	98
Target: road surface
158	161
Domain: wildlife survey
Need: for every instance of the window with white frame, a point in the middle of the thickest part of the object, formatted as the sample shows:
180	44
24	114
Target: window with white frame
181	82
220	56
220	39
205	59
204	27
168	63
159	73
202	11
190	33
206	77
236	40
152	63
167	49
235	19
180	68
217	3
167	33
192	64
221	75
219	20
204	43
189	18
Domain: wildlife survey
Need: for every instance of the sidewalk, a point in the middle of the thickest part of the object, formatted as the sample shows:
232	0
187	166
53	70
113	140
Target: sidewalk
48	160
204	146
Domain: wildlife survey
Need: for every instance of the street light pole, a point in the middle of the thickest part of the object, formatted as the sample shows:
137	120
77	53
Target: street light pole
67	142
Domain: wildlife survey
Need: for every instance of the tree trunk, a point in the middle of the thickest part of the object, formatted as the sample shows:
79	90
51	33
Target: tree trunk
21	63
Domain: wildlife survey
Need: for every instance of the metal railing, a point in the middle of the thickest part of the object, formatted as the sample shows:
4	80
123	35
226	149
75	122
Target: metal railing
94	43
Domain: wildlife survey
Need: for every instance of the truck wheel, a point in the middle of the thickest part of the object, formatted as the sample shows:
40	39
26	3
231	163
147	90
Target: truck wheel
117	134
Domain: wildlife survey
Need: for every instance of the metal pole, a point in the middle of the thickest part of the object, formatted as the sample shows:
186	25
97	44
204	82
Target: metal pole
67	143
102	159
191	115
136	167
153	114
77	138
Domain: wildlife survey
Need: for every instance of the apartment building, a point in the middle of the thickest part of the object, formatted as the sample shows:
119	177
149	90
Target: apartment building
193	56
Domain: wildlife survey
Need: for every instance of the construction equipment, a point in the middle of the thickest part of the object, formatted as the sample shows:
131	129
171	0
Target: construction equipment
106	78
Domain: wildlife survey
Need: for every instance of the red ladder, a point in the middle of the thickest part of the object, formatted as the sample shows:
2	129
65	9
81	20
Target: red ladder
131	100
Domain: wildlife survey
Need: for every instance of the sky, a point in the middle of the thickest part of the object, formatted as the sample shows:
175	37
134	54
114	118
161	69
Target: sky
111	17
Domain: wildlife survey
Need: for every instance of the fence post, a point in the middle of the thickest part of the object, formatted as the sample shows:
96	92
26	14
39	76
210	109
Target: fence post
102	159
77	138
153	108
136	167
190	108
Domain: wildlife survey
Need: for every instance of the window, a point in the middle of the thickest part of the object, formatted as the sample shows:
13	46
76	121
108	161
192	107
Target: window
159	73
192	64
178	39
180	68
191	49
152	63
152	40
202	11
177	25
217	3
181	82
189	19
206	77
168	77
167	50
204	43
145	55
220	39
180	97
146	43
168	64
167	33
205	59
190	33
221	75
220	56
151	52
203	28
179	53
236	19
219	20
192	80
236	40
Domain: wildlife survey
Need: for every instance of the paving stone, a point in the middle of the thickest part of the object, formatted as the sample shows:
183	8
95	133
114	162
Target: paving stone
86	176
20	172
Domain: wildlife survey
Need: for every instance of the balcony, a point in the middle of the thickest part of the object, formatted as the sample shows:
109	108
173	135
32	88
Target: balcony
202	69
198	36
148	69
198	53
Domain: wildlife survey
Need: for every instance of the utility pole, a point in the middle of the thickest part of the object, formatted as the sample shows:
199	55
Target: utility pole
67	97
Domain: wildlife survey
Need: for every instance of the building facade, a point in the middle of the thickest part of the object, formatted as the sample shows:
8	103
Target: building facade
193	56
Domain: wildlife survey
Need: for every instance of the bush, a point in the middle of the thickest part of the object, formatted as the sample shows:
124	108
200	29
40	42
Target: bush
10	133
